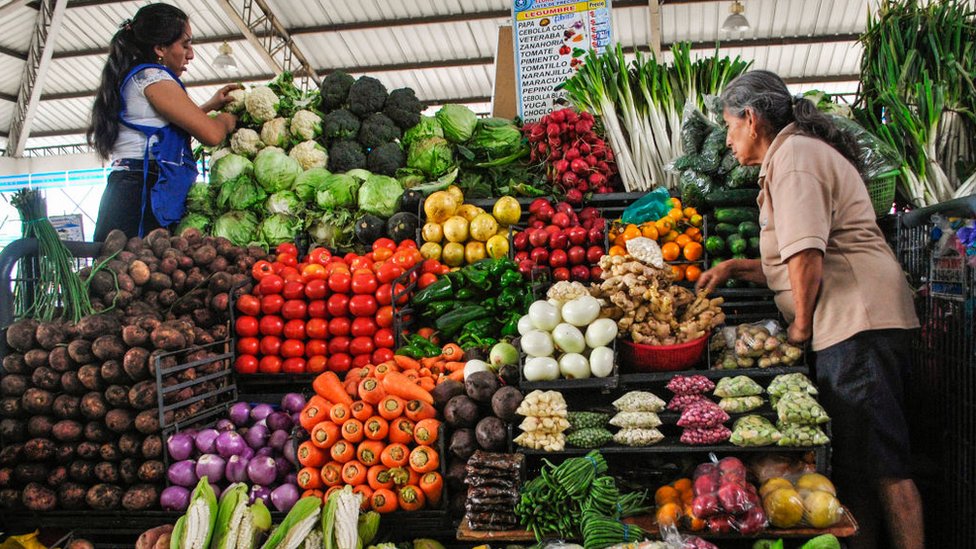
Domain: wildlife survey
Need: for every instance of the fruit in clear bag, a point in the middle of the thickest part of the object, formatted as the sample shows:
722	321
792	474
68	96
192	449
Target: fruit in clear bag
774	483
821	509
784	507
812	482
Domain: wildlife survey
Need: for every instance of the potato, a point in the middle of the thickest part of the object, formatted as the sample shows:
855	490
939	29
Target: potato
37	401
39	449
168	339
160	248
66	407
57	477
119	420
37	497
119	298
140	497
90	377
11	407
71	496
126	284
20	335
152	471
93	406
11	454
49	335
10	498
35	358
6	477
109	452
60	360
168	297
65	453
142	395
107	472
31	472
134	336
109	347
97	432
130	445
80	544
202	337
147	422
159	282
14	363
203	255
219	264
46	378
13	385
113	372
101	283
168	265
117	396
134	244
115	242
87	450
128	470
71	384
135	363
39	427
94	326
149	538
221	302
12	430
80	351
67	430
104	497
152	447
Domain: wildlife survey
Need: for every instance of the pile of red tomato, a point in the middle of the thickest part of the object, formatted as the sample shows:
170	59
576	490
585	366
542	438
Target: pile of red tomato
326	312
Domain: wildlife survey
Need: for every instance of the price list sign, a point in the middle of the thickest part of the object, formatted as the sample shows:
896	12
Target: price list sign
552	38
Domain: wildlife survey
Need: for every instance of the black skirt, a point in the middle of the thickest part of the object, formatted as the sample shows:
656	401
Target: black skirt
122	199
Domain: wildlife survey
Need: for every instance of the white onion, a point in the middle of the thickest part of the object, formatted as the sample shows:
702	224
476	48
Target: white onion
542	368
601	361
574	366
473	366
544	316
537	343
525	325
581	311
568	338
600	333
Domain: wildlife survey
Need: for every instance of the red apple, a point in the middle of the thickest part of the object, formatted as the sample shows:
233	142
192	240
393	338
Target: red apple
706	484
558	259
538	238
553	229
732	465
564	207
753	522
707	468
521	240
589	213
595	272
580	273
721	524
525	267
705	506
560	220
537	224
593	254
595	235
545	212
521	256
537	204
540	256
734	498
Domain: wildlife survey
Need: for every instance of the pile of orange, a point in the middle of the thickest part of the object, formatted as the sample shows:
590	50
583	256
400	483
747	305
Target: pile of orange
679	234
674	506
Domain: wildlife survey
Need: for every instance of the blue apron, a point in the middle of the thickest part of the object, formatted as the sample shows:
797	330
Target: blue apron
174	158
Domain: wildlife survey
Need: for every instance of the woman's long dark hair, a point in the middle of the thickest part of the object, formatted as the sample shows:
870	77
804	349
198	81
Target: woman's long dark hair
133	44
766	94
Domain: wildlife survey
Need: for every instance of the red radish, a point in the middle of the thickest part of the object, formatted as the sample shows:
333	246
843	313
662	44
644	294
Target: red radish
580	166
580	273
558	258
521	256
537	224
560	274
564	207
591	160
536	205
584	148
559	241
577	255
570	116
577	236
552	130
553	229
588	213
562	165
574	196
569	179
558	117
571	154
545	212
597	179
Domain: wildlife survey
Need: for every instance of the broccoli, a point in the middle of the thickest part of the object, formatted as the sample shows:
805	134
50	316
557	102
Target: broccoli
403	108
377	130
335	89
340	124
346	155
367	95
385	159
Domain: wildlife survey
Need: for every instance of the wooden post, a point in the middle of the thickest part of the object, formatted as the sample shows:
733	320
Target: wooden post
654	22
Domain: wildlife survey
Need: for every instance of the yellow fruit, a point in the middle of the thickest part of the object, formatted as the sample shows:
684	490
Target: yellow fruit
507	210
688	212
774	483
822	509
483	227
497	247
432	232
456	192
502	231
453	254
676	214
439	206
469	211
814	481
431	250
456	229
783	507
695	220
474	251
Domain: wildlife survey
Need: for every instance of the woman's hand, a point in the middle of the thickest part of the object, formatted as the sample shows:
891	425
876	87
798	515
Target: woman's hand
220	98
714	277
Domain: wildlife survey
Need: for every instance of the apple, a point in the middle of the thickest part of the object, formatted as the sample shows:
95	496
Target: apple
595	235
526	267
706	484
521	240
589	213
521	256
593	254
734	498
721	524
537	224
705	506
707	468
564	207
546	212
537	205
553	229
560	220
580	273
596	272
731	464
559	241
540	256
558	258
753	522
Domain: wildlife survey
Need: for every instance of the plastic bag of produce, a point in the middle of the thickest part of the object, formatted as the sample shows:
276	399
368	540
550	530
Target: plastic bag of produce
636	420
801	409
639	401
790	383
690	385
650	207
586	420
638	437
702	436
801	435
754	431
703	414
738	386
680	402
876	160
593	437
740	405
756	339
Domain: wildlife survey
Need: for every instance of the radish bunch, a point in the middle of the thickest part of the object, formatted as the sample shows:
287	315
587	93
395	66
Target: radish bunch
577	159
569	244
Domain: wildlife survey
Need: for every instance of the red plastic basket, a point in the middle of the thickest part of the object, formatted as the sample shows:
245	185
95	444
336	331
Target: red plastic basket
668	358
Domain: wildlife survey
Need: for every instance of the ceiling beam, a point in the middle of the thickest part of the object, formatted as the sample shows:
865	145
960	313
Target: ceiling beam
8	97
13	53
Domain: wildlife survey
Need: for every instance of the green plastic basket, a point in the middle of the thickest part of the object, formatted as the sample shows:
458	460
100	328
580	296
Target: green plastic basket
882	194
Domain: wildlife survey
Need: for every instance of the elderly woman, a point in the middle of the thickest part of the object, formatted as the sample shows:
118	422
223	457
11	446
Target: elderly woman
838	285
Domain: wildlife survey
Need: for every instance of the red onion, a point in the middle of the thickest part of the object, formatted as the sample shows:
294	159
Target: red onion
225	425
240	413
283	467
290	451
236	469
257	436
175	498
212	467
261	411
179	446
264	452
293	403
205	440
284	497
262	470
278	439
279	420
262	493
292	478
247	453
183	473
229	443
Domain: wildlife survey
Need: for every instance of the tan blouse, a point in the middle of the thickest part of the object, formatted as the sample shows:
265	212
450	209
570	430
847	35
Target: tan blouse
812	197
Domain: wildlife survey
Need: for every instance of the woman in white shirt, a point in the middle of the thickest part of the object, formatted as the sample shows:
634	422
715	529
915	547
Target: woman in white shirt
143	119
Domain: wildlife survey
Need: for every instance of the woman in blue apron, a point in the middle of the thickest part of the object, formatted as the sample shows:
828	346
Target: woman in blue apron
143	120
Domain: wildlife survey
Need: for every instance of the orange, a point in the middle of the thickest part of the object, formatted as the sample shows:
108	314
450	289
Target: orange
692	251
664	225
682	240
669	514
631	231
688	212
670	236
617	250
676	203
682	485
686	498
676	214
692	272
666	494
649	231
678	272
670	251
695	524
694	233
619	240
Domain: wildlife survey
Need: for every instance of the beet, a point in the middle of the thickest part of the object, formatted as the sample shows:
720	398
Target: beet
147	422
136	363
504	403
10	498
491	433
142	395
463	443
481	386
461	411
445	391
109	347
6	477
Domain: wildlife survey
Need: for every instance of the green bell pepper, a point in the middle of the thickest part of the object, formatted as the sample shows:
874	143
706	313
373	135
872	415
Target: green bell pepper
439	308
477	333
466	294
508	299
510	326
426	346
478	278
500	266
510	278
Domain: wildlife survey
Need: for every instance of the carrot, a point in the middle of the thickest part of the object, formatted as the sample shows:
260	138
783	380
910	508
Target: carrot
371	390
395	455
376	428
328	386
401	430
368	452
309	478
361	410
452	351
329	492
457	375
426	383
426	430
391	407
340	413
432	485
424	459
383	501
402	386
325	434
436	370
378	476
353	473
343	451
406	363
351	386
412	375
404	475
365	491
312	494
452	366
314	411
352	431
385	368
430	362
310	455
332	474
411	498
417	410
353	373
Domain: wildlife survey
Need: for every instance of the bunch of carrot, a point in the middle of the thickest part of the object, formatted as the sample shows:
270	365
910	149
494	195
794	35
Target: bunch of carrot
448	365
376	432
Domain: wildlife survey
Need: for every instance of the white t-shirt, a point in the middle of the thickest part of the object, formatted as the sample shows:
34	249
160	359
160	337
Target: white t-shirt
132	143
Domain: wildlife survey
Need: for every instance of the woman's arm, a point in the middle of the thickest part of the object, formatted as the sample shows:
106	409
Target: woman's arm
172	102
806	269
749	270
220	98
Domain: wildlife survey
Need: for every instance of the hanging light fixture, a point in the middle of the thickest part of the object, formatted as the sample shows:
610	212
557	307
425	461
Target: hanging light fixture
225	61
736	21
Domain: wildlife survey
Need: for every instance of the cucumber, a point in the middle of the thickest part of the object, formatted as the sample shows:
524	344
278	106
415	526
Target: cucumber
748	229
736	244
736	215
587	420
732	197
753	247
725	229
592	437
714	245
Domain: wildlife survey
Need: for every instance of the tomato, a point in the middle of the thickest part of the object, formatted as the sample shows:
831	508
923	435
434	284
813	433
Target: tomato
339	345
319	256
430	266
362	305
316	364
387	243
316	328
339	363
363	327
313	271
360	361
272	325
382	355
271	304
402	259
388	272
340	282
270	345
293	290
364	282
338	305
408	244
261	268
318	288
293	365
270	365
384	295
247	346
287	248
294	308
382	254
271	284
249	305
361	346
361	263
385	338
288	260
443	270
340	326
316	347
246	326
292	348
295	329
401	291
384	317
246	364
317	309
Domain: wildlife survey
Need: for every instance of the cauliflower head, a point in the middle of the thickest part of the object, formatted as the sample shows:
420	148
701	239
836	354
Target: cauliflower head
306	125
236	104
246	142
261	103
310	155
274	133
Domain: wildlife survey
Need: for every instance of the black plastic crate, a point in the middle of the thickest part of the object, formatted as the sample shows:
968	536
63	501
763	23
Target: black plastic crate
187	401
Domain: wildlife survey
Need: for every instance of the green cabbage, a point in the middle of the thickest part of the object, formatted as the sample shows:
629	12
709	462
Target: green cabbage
242	193
229	168
285	202
380	196
307	184
238	227
333	229
495	138
195	221
337	191
276	171
198	200
458	122
427	127
434	156
279	228
360	174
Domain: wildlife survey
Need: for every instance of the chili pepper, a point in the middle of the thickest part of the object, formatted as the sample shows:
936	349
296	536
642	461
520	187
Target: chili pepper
509	298
466	293
480	279
439	308
511	278
442	289
510	327
430	349
411	351
489	303
452	322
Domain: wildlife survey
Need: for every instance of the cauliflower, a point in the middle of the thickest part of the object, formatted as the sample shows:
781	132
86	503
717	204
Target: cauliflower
310	155
306	125
565	291
220	153
261	104
236	104
274	133
246	142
